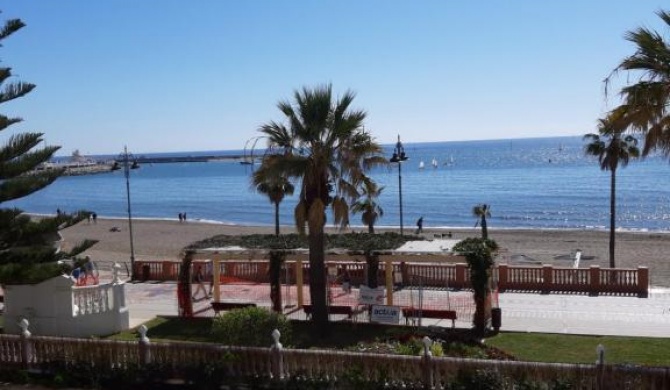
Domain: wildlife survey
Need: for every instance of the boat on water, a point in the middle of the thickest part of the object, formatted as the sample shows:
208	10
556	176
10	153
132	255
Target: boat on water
77	164
421	165
434	163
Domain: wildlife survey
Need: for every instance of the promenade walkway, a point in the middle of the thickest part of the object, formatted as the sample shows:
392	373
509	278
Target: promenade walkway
525	312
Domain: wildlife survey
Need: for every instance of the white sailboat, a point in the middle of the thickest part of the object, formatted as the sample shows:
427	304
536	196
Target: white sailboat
421	164
434	163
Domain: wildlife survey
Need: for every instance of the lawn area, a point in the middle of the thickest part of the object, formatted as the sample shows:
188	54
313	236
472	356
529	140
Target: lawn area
543	347
342	334
538	347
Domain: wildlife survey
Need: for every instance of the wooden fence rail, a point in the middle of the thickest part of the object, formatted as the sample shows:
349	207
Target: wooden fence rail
38	353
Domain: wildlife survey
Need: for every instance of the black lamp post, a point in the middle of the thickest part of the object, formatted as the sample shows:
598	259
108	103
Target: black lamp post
398	157
129	162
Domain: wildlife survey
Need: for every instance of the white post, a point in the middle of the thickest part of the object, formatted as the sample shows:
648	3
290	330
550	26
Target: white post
26	351
600	352
426	360
145	354
276	358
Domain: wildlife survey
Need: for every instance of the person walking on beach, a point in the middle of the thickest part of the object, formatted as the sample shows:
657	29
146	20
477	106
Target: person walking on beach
419	225
95	218
181	217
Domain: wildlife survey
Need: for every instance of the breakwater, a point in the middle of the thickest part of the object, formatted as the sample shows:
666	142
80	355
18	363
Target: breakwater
183	159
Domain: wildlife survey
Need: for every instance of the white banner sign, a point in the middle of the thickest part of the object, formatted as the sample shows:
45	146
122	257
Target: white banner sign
371	296
385	314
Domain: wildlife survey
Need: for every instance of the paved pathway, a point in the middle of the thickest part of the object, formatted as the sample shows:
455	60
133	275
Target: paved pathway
550	313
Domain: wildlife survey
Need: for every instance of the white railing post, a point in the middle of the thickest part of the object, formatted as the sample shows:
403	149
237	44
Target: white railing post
145	354
426	361
276	357
26	347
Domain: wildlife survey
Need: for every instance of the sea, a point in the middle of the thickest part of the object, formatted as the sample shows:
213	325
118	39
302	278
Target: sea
542	183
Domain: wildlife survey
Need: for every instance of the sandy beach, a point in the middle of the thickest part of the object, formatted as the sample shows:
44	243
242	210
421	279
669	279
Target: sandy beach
164	239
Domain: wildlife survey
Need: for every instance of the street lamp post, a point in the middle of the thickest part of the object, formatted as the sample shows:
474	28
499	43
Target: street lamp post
125	158
398	157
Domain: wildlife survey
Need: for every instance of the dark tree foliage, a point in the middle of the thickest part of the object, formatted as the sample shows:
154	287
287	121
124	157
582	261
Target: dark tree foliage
27	250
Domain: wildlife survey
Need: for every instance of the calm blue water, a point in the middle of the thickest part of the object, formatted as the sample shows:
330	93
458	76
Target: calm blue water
530	183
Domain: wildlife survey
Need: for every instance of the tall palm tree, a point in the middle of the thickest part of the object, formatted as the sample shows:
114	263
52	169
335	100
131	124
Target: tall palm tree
325	147
612	148
367	204
276	188
645	103
481	212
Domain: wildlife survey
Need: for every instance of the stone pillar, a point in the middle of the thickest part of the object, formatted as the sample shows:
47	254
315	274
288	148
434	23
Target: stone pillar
547	278
594	275
643	282
460	275
503	272
167	273
120	310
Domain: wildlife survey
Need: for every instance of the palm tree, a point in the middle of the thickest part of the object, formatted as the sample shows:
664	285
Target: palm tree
276	188
367	204
645	103
478	253
481	212
612	149
325	147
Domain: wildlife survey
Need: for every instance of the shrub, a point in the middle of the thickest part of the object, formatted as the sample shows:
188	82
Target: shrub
251	326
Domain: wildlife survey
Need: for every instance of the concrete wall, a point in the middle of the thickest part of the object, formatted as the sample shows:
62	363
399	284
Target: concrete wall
56	307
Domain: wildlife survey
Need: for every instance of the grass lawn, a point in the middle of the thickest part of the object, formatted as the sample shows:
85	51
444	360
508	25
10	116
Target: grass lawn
543	347
540	347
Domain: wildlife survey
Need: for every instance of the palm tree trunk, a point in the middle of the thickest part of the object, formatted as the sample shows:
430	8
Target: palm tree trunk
276	260
372	261
479	319
317	279
371	229
485	233
612	217
277	219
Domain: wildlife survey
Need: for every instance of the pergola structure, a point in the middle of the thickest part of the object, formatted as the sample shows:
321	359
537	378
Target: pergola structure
298	257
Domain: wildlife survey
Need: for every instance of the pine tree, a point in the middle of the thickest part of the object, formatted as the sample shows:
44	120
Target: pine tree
27	250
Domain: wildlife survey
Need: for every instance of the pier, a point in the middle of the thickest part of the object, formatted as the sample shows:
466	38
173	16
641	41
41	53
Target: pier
187	159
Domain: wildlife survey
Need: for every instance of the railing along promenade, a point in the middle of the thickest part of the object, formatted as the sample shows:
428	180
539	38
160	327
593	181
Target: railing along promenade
39	353
545	279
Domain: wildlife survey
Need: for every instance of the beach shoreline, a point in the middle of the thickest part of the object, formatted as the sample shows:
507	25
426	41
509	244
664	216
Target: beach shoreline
163	239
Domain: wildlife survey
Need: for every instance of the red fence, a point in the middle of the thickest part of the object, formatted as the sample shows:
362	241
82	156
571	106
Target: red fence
546	279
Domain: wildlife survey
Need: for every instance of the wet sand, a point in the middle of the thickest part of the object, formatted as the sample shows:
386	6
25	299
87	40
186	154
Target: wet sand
163	240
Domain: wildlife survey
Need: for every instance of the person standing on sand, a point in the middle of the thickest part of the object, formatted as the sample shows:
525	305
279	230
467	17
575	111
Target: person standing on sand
95	218
419	225
181	217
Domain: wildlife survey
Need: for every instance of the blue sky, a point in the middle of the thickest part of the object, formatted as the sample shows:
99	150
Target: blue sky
172	75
